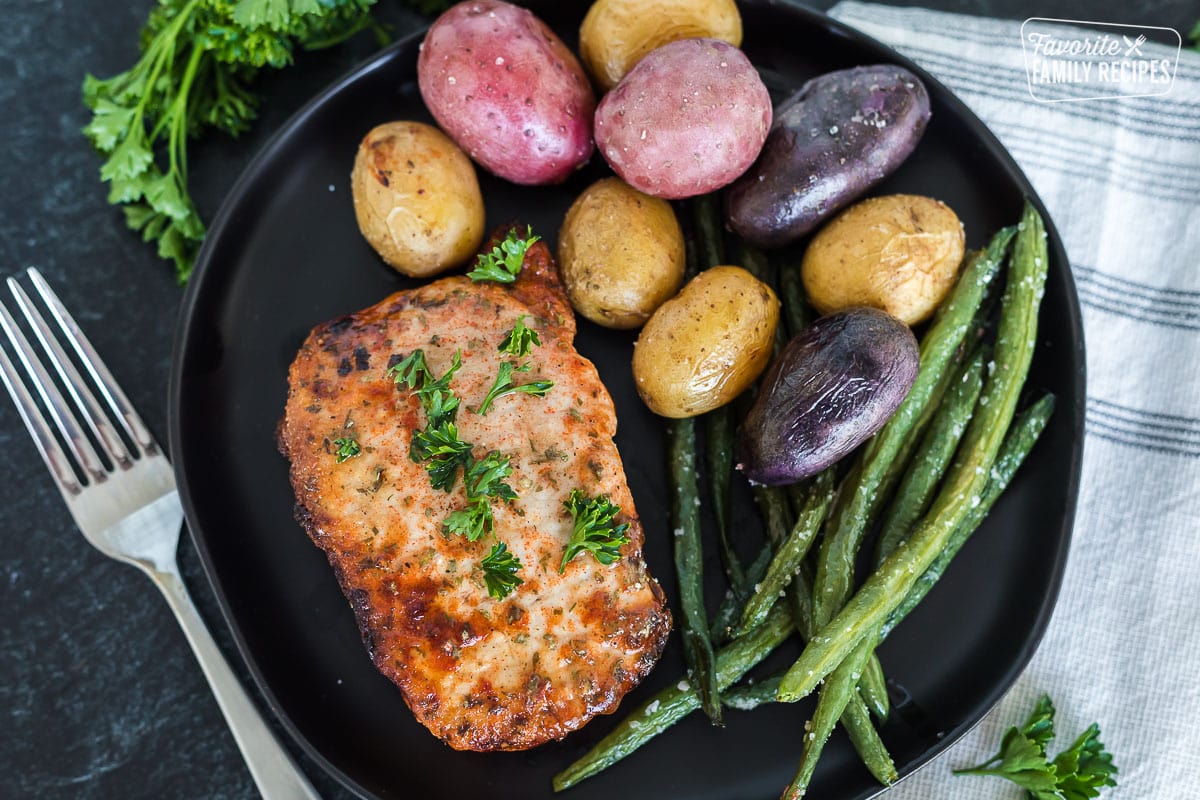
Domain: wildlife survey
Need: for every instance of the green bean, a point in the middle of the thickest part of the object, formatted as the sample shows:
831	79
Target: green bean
672	704
751	695
856	719
720	630
884	590
863	493
709	251
929	464
706	221
791	292
872	687
791	552
718	439
689	564
836	693
1020	440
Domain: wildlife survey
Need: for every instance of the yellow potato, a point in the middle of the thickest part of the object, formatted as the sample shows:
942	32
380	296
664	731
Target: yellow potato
621	254
899	253
616	33
706	345
416	198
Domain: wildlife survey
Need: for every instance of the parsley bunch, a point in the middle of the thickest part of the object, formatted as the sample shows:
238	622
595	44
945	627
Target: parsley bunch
198	58
1077	773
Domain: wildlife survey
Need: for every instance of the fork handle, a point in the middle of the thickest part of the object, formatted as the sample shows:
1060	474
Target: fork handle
273	770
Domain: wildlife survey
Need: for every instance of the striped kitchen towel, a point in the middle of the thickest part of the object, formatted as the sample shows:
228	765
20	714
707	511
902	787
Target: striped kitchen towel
1121	179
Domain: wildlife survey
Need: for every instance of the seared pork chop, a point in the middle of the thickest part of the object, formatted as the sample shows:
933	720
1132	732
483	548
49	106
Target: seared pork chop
479	672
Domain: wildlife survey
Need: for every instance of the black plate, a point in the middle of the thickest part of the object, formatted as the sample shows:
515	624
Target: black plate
284	254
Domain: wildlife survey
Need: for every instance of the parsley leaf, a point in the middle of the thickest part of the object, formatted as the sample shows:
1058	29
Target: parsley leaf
500	571
411	371
346	448
1077	773
1084	767
520	340
441	405
594	530
442	451
484	479
503	264
504	385
474	522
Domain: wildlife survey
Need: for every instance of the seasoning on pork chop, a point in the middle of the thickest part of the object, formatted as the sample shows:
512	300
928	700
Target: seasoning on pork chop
480	673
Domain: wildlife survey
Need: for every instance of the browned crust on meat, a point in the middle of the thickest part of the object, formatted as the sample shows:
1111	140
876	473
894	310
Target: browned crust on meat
480	673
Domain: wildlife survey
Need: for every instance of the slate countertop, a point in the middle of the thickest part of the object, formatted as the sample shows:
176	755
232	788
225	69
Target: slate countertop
100	696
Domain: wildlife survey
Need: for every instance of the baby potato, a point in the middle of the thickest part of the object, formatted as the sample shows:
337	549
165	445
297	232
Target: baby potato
621	254
899	253
706	345
416	198
616	33
688	119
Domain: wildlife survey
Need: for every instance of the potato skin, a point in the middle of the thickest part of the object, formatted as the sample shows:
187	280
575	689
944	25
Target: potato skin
899	253
621	254
688	118
706	345
615	34
839	135
508	91
416	198
835	384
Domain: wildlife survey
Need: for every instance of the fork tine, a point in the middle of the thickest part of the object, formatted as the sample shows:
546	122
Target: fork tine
85	401
116	399
55	403
35	423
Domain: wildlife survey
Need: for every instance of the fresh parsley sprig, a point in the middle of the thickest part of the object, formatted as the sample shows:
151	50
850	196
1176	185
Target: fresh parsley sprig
594	530
520	340
503	263
500	568
1077	773
504	385
198	58
346	448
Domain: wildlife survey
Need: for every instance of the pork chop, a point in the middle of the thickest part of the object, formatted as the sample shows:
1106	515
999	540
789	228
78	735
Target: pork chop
481	673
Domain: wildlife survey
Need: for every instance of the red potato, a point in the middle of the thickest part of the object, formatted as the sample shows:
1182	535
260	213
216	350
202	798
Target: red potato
689	118
507	91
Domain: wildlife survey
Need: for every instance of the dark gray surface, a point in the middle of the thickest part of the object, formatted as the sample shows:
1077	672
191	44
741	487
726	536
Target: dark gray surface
99	694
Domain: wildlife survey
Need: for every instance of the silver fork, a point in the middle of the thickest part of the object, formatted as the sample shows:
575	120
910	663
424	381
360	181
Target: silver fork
127	508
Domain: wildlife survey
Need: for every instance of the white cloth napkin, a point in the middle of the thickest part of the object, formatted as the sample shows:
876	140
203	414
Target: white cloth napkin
1121	179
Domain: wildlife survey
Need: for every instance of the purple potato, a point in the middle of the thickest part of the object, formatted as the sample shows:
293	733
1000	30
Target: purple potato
841	134
834	385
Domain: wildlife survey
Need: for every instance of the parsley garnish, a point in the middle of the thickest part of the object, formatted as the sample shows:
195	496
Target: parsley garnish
484	479
520	340
412	371
594	530
434	393
442	451
504	385
503	264
500	571
346	448
1077	773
